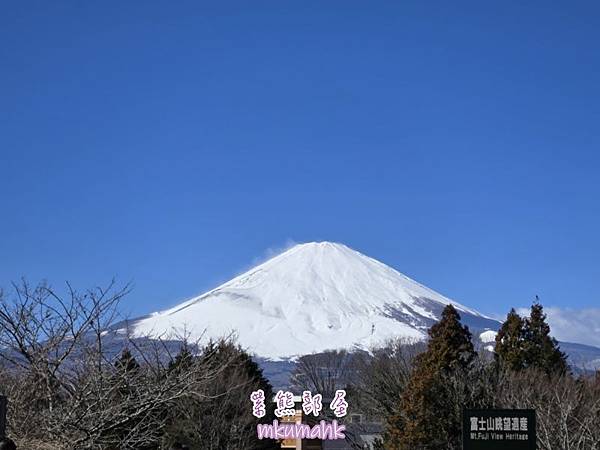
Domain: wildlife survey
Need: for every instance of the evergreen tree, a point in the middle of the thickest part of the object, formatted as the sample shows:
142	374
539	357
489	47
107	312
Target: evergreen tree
541	350
183	360
125	378
510	342
127	368
526	343
127	362
220	416
449	343
425	418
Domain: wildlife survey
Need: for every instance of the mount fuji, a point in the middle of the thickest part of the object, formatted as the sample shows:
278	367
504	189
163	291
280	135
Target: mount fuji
310	298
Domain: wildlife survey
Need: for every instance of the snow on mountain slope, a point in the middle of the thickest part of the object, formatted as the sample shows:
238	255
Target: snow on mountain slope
488	336
311	298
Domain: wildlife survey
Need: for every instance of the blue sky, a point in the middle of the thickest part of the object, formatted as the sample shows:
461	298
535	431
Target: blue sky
174	144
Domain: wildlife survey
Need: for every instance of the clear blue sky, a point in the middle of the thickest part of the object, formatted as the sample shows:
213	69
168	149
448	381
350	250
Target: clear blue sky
173	143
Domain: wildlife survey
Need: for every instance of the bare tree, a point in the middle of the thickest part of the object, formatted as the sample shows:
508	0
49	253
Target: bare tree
323	373
40	330
68	390
567	408
382	376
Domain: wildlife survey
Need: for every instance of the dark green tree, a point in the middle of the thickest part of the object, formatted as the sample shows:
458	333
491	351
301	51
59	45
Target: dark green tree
183	360
526	343
425	418
542	350
127	362
220	415
125	379
126	369
509	351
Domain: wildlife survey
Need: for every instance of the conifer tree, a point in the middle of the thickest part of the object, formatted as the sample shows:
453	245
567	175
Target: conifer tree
542	350
126	367
526	343
127	362
124	378
183	360
425	419
510	342
220	416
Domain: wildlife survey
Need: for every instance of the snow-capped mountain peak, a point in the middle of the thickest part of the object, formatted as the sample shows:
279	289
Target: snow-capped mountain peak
312	297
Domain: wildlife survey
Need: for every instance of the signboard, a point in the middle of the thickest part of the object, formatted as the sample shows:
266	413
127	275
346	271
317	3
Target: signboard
499	429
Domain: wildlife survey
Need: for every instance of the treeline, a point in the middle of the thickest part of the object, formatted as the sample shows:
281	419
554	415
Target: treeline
419	390
68	390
